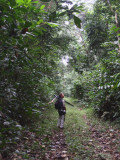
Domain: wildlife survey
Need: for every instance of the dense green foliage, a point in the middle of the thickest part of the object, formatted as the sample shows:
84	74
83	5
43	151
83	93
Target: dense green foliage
31	49
101	83
24	70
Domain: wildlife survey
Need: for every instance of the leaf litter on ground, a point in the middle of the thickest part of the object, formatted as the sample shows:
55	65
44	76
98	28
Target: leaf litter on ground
82	139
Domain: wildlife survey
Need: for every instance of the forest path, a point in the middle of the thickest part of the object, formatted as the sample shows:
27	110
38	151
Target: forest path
104	139
84	137
43	141
58	147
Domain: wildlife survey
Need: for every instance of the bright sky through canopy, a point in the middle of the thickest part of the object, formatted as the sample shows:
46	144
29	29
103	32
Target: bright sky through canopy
88	3
89	6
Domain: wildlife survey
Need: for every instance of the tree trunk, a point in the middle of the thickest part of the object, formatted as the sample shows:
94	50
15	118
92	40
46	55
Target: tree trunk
117	25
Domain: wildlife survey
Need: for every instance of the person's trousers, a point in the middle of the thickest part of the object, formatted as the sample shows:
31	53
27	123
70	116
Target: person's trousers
61	121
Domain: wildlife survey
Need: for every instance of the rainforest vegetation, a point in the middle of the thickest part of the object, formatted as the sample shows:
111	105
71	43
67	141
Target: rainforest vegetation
53	46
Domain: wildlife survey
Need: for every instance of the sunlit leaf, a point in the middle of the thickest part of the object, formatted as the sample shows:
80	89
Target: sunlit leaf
35	2
20	2
40	21
42	7
62	14
52	24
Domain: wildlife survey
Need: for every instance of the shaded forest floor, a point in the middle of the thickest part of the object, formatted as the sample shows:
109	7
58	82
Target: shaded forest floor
84	138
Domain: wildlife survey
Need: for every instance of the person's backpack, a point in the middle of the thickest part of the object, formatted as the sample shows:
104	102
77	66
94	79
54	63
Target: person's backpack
58	104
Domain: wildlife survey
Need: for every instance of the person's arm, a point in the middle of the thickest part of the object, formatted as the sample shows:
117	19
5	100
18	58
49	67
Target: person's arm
64	105
52	101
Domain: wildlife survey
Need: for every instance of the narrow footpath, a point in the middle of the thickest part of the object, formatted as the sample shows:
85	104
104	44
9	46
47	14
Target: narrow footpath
58	147
84	137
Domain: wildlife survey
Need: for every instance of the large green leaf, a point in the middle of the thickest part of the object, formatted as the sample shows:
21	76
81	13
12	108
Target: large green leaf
23	2
77	21
62	14
20	2
42	7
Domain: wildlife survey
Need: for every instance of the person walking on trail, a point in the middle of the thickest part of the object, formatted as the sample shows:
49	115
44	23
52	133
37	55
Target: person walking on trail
60	106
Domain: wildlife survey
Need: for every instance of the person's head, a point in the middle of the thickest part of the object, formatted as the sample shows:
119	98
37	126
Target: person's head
61	95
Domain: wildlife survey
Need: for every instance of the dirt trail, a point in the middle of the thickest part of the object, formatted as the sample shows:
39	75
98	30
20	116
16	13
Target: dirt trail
32	147
103	142
106	141
58	147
